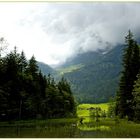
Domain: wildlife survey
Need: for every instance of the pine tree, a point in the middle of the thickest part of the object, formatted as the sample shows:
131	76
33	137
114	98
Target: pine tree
22	62
42	83
11	83
131	64
33	67
64	85
65	90
136	100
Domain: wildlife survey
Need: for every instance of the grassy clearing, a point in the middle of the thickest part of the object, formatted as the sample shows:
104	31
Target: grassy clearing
70	69
82	109
109	128
106	127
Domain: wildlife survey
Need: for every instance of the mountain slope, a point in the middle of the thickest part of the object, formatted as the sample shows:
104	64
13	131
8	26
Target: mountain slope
46	69
97	78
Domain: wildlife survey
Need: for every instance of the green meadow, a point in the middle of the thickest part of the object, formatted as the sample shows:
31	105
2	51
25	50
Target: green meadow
69	69
83	109
71	127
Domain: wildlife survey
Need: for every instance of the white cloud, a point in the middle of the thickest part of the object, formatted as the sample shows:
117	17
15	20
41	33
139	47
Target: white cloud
54	32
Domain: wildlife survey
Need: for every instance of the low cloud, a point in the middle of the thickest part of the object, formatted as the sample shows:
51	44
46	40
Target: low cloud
91	26
55	32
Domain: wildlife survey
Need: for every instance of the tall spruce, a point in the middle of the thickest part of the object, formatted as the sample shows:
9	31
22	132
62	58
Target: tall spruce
32	68
136	100
131	64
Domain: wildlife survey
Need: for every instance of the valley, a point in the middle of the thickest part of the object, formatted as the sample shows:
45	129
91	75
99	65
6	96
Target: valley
69	70
93	76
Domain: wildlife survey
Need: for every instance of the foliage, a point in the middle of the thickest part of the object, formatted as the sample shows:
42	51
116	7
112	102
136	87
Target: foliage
111	108
25	93
136	101
131	64
83	110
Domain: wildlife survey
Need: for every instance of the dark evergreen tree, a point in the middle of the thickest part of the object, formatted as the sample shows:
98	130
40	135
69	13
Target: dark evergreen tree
11	83
32	68
22	63
136	101
42	82
34	97
64	85
131	64
111	108
65	90
25	93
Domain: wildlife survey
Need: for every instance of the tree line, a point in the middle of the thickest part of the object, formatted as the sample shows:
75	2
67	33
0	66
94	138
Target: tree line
128	94
25	93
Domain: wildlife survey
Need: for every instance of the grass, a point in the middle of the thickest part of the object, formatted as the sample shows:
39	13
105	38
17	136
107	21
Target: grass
51	128
71	127
105	128
69	69
32	123
109	128
82	109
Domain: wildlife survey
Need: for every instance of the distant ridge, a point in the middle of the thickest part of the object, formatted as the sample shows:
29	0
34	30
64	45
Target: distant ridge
46	69
94	76
97	79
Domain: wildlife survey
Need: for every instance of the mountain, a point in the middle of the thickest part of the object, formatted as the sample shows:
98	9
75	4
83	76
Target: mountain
94	76
46	69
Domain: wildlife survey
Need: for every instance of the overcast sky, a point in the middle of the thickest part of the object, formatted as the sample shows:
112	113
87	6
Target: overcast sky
54	32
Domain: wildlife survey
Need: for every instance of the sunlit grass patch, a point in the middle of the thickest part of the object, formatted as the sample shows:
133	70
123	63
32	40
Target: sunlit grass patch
70	69
83	109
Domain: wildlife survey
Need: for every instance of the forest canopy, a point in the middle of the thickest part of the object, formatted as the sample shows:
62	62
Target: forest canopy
25	93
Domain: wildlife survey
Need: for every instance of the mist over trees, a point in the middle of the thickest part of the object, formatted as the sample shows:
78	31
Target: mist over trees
25	93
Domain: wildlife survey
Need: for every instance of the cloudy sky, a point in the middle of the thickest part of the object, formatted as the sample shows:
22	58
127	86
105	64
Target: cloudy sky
54	32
